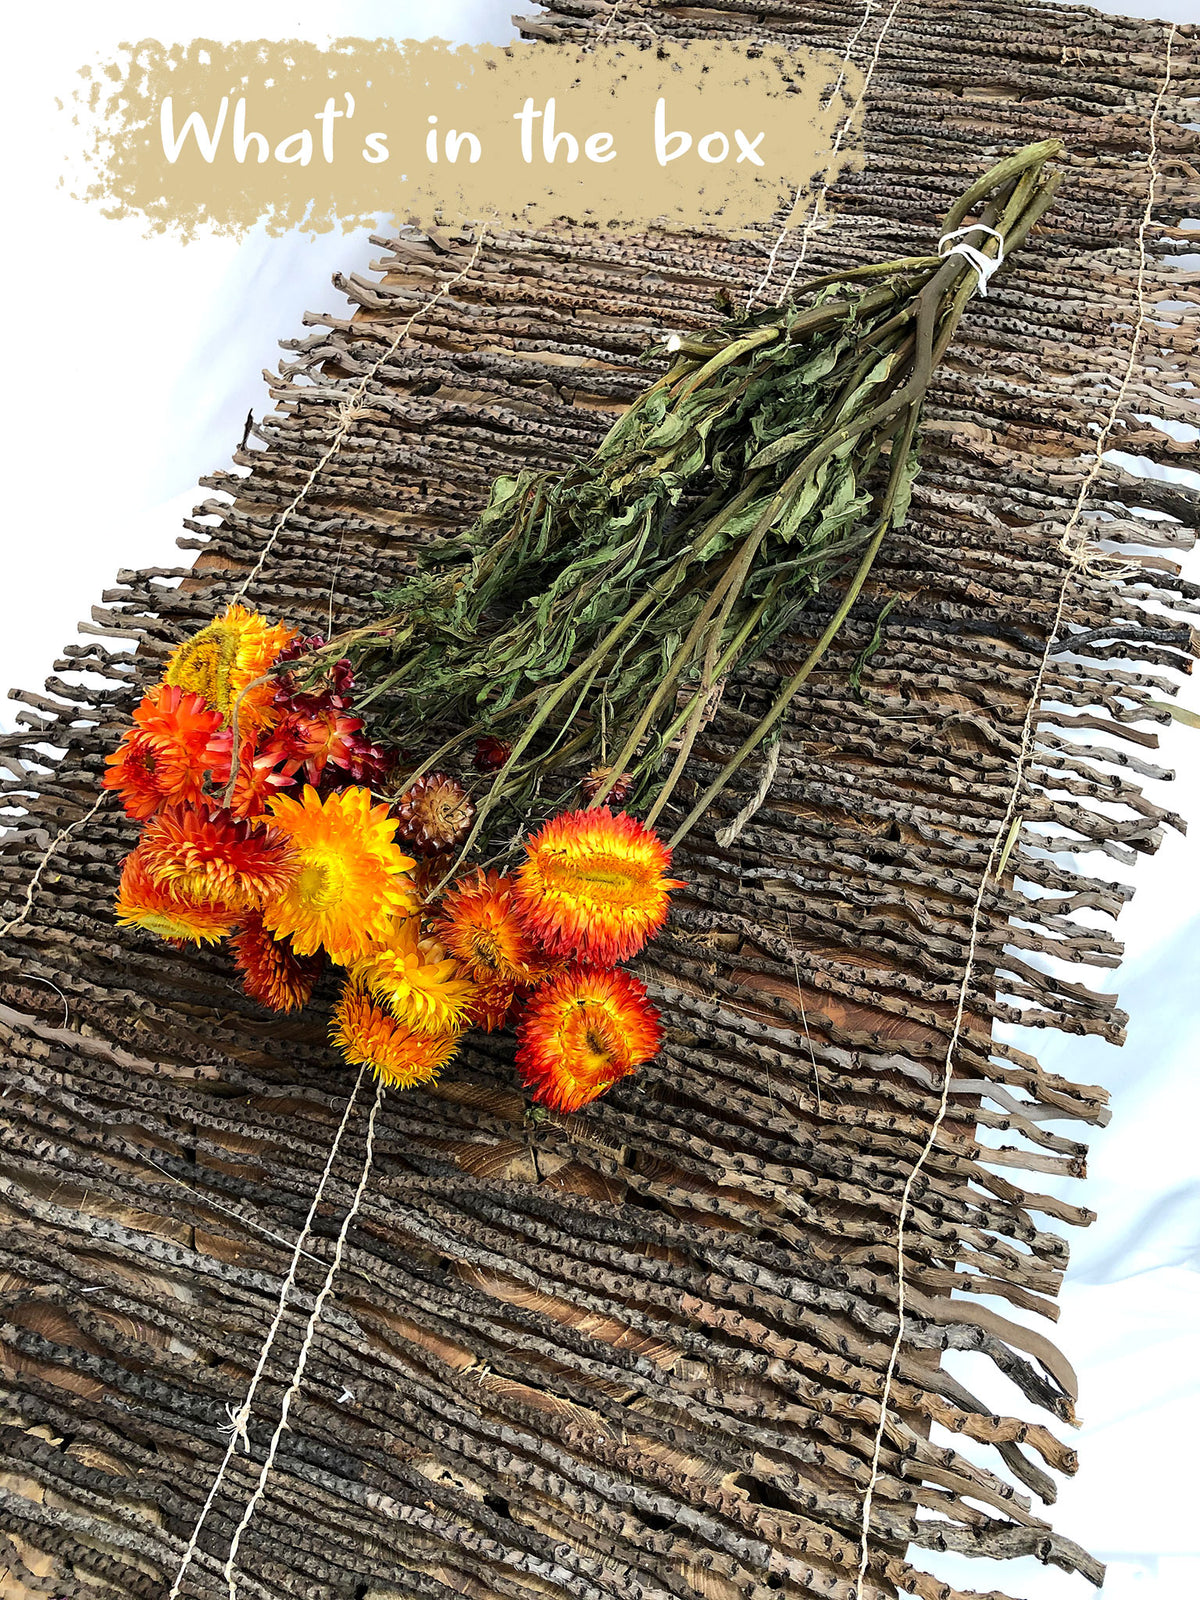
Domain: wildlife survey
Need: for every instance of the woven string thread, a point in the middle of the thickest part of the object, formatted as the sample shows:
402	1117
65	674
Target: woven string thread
314	1319
44	860
844	127
239	1420
349	413
352	409
1077	559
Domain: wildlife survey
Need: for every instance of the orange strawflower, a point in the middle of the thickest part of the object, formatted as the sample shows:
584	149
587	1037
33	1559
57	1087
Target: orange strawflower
209	858
367	1035
221	661
272	972
581	1032
165	755
480	927
417	981
350	880
491	1006
593	885
144	773
160	909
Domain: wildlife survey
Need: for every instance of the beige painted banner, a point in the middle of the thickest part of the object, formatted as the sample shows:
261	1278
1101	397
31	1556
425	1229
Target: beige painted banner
209	136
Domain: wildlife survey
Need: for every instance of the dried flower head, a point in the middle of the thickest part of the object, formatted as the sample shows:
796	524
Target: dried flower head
581	1032
264	769
272	972
416	979
435	812
165	755
160	909
493	1006
223	660
368	1036
323	739
491	753
480	926
594	885
350	879
429	873
622	786
209	858
331	689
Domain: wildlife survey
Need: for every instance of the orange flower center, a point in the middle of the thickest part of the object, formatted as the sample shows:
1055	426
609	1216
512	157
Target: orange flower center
485	950
591	1044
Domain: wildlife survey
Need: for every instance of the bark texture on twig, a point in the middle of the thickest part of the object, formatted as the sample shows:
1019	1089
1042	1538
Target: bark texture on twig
635	1352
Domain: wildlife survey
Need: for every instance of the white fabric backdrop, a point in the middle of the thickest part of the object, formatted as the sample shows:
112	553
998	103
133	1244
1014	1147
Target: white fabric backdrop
162	347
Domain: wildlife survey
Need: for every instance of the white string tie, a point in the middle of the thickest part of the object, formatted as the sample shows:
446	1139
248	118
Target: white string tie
984	265
235	1429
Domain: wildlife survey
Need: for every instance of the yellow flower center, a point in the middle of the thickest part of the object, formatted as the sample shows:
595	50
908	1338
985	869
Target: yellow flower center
165	926
592	1045
600	876
201	887
203	665
322	881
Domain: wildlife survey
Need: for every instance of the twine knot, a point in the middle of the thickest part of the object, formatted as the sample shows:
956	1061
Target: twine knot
235	1428
984	265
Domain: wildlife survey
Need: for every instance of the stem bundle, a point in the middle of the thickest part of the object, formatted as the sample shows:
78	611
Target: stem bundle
589	616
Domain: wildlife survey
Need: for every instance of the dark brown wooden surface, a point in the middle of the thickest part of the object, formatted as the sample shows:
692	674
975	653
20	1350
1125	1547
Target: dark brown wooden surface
636	1352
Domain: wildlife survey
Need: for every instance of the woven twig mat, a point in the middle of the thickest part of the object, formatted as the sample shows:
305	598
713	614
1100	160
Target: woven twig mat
637	1352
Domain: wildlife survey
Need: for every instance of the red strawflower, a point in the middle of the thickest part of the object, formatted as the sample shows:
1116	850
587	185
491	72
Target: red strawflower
272	972
144	772
491	753
322	738
368	763
264	769
333	690
581	1032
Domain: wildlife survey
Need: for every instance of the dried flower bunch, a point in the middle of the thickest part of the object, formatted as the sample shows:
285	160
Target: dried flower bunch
260	825
581	628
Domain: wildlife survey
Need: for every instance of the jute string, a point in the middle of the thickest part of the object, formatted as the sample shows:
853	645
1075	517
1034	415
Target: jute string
314	1319
1076	550
239	1420
352	408
843	129
44	861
